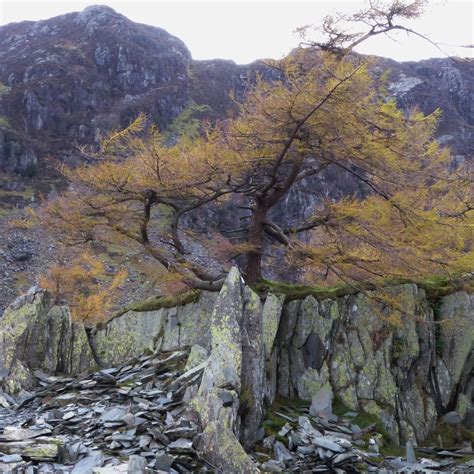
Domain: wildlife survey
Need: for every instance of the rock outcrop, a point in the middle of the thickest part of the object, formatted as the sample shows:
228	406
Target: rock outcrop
407	374
35	335
138	418
219	397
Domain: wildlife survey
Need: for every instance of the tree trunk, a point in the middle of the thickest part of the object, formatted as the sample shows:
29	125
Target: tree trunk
90	333
253	271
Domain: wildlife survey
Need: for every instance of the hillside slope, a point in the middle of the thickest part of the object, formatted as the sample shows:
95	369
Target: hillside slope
67	79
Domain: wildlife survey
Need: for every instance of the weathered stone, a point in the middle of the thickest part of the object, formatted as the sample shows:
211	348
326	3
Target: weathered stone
225	360
211	407
410	452
457	333
163	462
321	402
271	314
11	458
4	403
167	329
313	381
87	464
307	428
197	356
136	465
281	453
444	381
13	433
373	446
452	418
190	375
115	414
39	449
285	430
220	447
253	369
37	336
327	443
345	457
226	398
272	466
115	469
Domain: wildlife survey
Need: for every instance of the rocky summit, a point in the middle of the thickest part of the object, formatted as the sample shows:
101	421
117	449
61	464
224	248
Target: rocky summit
66	80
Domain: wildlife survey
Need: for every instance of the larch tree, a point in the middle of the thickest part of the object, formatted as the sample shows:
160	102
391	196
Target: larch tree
82	283
413	216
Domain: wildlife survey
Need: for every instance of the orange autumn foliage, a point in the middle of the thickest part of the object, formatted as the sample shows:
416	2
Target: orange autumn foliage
85	287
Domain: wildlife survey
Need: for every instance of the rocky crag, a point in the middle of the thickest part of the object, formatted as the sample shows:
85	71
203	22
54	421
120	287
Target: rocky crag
252	356
67	80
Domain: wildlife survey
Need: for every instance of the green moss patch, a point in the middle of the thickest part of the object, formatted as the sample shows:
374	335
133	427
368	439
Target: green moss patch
392	451
451	436
156	303
435	287
4	122
290	407
363	420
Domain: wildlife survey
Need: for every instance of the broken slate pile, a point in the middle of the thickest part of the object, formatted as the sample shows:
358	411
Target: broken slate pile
324	442
136	419
315	444
137	413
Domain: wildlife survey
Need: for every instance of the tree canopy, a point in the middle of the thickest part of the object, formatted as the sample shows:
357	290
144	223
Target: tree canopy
409	215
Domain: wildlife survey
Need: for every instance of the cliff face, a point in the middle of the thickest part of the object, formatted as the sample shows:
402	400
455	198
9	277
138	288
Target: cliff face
446	84
407	376
68	79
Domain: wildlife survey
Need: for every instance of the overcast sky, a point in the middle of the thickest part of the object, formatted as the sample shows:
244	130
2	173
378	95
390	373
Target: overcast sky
249	30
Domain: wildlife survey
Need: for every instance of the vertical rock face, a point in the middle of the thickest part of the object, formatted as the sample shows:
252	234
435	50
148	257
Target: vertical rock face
219	395
271	314
225	364
167	329
407	374
253	369
455	370
35	336
16	157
